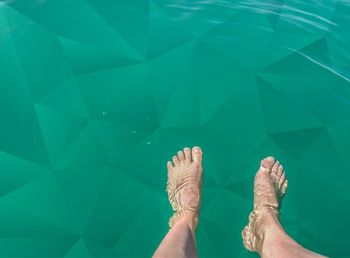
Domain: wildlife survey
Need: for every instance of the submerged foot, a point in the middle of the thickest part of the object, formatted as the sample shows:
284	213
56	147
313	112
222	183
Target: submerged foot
270	185
184	183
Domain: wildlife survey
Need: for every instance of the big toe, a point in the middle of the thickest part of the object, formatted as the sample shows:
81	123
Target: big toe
267	163
197	154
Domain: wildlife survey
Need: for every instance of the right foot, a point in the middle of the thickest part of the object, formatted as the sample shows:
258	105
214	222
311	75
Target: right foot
270	184
184	184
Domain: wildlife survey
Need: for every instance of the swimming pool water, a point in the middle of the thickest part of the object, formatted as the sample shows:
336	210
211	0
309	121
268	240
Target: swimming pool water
96	96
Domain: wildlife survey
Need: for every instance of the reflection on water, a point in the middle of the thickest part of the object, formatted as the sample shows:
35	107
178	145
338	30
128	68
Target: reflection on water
294	12
288	19
245	25
282	22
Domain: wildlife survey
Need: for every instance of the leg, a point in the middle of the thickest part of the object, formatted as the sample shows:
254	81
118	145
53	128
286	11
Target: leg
264	234
278	244
180	240
184	191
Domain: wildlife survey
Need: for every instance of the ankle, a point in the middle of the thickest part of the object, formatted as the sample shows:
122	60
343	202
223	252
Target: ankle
191	218
268	230
274	237
263	220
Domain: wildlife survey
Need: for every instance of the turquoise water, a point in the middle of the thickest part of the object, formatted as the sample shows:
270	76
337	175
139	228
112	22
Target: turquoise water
96	96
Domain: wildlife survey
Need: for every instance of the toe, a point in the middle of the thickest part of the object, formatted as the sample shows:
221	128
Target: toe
280	171
246	238
267	162
244	232
176	160
169	166
197	154
181	155
284	186
187	154
274	169
281	180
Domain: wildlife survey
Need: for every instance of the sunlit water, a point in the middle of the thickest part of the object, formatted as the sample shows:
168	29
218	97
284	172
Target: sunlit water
96	96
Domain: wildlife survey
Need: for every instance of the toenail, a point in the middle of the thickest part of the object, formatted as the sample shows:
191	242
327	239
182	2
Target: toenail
266	162
270	158
196	149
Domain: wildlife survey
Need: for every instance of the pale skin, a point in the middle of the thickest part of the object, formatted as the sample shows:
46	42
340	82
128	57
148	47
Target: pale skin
264	233
180	240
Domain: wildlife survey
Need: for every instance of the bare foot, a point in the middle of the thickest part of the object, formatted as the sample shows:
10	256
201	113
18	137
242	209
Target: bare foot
184	184
270	185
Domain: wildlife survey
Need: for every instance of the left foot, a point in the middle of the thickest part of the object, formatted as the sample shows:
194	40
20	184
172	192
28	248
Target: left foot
184	184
